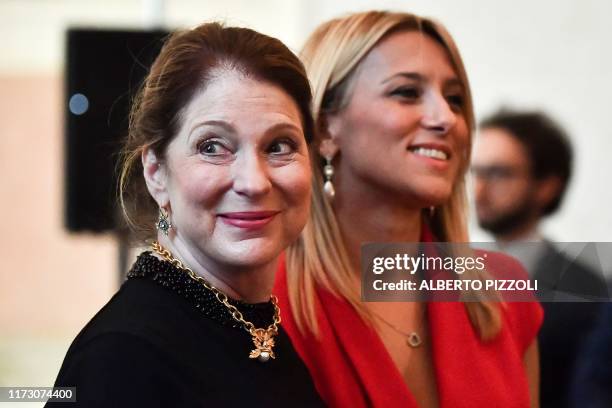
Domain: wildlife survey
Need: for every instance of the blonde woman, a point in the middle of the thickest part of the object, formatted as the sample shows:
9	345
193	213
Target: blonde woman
394	116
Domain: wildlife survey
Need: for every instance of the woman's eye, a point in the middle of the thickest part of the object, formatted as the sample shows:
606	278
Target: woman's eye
407	92
456	101
282	147
212	148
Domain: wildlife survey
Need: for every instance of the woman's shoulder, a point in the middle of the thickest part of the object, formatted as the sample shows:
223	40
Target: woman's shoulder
141	320
115	368
110	351
522	312
138	345
127	326
138	309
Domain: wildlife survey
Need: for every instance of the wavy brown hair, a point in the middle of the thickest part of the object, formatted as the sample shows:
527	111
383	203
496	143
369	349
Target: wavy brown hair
188	61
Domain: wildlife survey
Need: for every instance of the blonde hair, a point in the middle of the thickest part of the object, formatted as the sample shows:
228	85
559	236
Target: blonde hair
319	257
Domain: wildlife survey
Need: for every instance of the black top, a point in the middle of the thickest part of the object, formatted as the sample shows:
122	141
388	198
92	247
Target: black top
165	341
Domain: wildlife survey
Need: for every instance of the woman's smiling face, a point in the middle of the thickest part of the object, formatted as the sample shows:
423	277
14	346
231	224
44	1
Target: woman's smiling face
236	178
403	133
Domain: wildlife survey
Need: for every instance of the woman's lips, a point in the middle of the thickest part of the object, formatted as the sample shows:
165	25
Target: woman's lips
433	155
248	219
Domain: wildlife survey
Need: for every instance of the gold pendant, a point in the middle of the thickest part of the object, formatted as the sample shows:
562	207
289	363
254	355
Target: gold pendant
264	342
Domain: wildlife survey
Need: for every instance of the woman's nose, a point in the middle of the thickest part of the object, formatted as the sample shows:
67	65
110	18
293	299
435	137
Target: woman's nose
250	175
438	115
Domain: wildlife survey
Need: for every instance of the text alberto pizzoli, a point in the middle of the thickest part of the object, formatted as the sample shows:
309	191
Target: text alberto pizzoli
456	264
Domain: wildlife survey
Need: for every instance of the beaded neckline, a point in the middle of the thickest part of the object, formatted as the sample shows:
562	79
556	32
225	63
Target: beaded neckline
172	278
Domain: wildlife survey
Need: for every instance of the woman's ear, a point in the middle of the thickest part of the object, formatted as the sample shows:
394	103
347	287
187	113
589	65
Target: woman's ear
328	132
156	177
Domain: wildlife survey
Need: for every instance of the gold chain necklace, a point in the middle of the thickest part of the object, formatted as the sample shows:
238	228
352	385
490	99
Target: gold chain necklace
263	339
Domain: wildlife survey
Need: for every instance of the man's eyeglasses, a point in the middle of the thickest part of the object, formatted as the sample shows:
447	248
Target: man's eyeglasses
496	173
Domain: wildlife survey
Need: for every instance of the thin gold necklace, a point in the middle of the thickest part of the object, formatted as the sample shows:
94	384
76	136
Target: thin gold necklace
263	339
413	339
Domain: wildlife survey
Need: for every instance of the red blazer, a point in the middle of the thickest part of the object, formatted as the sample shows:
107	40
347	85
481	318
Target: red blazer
351	367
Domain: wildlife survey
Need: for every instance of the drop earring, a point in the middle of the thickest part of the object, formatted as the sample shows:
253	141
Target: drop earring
328	172
432	211
163	221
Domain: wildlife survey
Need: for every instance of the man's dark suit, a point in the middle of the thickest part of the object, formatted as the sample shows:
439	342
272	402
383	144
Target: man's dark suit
566	324
593	382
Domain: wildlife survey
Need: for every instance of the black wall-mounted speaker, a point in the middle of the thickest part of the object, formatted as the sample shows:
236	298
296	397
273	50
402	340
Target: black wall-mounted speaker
104	69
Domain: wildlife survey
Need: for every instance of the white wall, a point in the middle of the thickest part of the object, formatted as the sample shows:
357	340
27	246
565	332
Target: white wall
33	30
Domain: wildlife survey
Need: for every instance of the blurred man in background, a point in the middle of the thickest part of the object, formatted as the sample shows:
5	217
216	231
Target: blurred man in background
522	163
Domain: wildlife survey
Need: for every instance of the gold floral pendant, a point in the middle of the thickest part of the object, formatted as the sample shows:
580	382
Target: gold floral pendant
264	343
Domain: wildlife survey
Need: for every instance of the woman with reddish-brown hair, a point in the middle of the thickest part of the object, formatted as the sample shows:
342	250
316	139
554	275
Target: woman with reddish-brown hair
216	179
394	120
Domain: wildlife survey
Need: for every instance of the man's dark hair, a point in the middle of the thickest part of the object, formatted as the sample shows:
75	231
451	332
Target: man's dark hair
546	143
